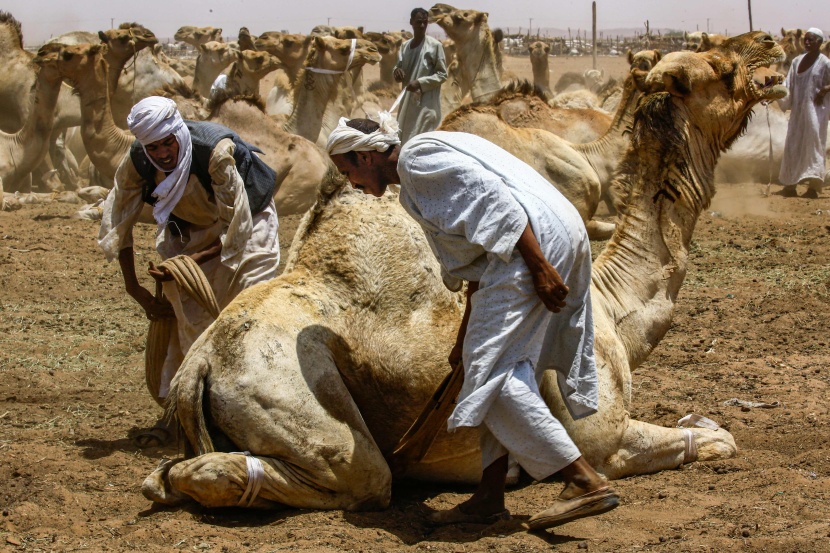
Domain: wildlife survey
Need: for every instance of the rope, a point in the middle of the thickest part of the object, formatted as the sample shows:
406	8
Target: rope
190	278
256	474
690	453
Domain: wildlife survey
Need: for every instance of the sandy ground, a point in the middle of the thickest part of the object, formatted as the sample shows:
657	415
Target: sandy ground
750	323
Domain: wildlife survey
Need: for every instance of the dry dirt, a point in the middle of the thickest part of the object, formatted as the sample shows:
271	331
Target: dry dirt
750	323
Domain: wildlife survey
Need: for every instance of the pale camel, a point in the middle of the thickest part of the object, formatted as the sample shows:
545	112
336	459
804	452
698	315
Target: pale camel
388	46
700	41
337	32
539	55
292	51
478	72
248	70
213	58
320	371
18	80
22	151
792	41
320	99
300	165
196	36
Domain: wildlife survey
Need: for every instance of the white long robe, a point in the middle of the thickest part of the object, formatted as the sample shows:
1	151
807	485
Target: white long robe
250	246
421	111
804	149
473	201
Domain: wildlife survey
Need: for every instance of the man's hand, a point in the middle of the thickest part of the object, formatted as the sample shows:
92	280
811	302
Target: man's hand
153	308
822	92
414	86
161	274
549	287
398	74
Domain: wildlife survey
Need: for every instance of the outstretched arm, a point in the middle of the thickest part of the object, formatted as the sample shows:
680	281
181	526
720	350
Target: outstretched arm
546	279
153	308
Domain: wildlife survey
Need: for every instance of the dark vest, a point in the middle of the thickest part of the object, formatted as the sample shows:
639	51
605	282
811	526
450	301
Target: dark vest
259	179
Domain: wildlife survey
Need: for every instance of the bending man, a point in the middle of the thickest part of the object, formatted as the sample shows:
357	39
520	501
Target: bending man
495	222
212	200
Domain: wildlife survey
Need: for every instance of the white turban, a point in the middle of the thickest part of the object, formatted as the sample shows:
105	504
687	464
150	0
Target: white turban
152	119
816	31
346	139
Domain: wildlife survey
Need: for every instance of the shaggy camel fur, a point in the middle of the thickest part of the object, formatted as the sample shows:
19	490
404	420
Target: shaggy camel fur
319	372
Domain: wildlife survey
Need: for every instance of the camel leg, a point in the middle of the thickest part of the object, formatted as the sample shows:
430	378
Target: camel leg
647	448
283	400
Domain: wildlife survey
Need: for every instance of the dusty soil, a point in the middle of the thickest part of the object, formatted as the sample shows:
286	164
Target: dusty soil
750	324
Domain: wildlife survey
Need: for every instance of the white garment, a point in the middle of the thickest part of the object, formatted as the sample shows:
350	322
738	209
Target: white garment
421	111
250	246
473	201
347	139
806	143
219	85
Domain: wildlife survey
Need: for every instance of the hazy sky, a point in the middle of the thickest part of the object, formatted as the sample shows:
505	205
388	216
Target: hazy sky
44	18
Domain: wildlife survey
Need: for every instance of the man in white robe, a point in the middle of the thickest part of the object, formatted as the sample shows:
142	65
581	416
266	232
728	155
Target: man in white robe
493	221
234	248
808	82
422	68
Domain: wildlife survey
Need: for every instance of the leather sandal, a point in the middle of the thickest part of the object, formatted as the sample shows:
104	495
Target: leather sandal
566	510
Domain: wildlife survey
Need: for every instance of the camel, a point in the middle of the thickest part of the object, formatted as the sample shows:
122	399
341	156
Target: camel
300	165
388	46
320	99
337	32
539	55
582	172
477	73
213	58
700	41
22	151
319	372
245	40
792	41
248	70
196	36
292	51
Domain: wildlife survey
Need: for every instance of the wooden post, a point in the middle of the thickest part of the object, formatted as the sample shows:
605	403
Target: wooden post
594	31
749	6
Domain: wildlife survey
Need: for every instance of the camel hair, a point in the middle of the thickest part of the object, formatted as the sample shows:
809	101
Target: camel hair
319	372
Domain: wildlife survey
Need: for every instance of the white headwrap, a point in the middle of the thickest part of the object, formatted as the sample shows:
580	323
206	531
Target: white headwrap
346	139
153	119
816	31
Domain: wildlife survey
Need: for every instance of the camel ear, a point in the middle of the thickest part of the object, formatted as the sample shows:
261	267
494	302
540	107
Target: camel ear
94	49
783	32
319	42
482	17
103	36
685	35
677	83
630	57
705	43
202	48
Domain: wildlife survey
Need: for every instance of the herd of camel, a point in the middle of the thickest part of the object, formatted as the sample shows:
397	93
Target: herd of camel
319	372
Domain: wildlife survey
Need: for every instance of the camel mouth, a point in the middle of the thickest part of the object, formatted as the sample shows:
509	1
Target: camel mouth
767	84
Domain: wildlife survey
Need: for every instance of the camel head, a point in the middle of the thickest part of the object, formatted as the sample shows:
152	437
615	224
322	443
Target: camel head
290	49
127	39
82	64
198	35
792	41
707	41
539	49
640	64
714	90
245	40
460	25
256	64
386	43
216	53
46	60
691	41
333	53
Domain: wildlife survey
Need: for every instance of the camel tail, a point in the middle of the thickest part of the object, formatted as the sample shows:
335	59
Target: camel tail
185	403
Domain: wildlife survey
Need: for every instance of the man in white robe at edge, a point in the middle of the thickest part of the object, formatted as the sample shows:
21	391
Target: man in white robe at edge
808	82
216	228
493	221
422	68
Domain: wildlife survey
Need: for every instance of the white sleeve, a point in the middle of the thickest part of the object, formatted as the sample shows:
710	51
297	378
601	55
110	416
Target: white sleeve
231	201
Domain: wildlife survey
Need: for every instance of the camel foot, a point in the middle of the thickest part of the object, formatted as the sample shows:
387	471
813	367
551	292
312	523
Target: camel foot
156	487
